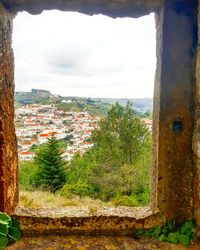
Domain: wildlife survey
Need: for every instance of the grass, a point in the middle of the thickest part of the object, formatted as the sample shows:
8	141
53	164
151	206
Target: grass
44	199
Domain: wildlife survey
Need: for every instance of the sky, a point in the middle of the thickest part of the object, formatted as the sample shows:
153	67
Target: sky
73	54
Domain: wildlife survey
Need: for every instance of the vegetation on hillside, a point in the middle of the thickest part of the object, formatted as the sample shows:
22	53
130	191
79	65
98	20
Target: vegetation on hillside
30	97
94	106
116	169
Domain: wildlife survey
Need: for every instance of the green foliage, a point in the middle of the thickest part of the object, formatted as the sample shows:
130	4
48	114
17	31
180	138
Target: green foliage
62	143
80	167
80	188
31	97
95	106
80	104
125	200
27	171
51	171
171	232
117	167
9	230
123	150
33	148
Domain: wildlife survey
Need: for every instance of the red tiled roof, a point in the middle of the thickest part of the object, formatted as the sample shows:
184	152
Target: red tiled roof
26	153
43	135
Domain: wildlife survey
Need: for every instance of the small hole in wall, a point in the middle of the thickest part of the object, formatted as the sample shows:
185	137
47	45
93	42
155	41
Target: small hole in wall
177	126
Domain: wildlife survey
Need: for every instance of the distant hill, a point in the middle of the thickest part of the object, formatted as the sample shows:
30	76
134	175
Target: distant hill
82	104
95	106
140	104
35	96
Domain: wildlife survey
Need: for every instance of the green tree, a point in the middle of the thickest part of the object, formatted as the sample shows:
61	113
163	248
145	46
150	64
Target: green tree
121	135
51	171
123	143
118	165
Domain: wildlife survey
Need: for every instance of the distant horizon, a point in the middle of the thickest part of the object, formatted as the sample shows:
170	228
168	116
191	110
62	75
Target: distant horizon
98	97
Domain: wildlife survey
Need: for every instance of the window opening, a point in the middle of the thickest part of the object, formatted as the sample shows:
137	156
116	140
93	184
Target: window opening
78	80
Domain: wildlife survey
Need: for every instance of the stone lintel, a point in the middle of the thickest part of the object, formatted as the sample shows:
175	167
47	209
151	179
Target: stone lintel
113	8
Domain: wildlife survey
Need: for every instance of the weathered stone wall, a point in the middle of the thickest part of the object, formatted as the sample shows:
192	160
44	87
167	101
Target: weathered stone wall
196	135
173	109
8	145
173	169
98	224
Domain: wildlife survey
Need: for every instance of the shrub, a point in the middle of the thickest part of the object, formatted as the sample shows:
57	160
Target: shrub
171	232
80	188
27	170
130	201
143	197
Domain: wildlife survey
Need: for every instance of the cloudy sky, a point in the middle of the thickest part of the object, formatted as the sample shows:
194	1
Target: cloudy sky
72	54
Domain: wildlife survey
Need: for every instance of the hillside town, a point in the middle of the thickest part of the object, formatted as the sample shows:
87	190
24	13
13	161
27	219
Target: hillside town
35	123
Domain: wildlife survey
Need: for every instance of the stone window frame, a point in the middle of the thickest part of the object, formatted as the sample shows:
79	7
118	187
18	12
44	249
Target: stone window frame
174	173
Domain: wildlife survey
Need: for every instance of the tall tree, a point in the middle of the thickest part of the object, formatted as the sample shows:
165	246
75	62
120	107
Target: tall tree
122	141
51	172
120	160
121	135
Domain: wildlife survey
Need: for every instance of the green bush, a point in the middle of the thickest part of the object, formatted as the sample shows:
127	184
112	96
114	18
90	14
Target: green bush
130	201
80	188
143	197
27	170
9	230
171	232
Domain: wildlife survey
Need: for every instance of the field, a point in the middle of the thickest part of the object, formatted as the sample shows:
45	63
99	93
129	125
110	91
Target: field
44	199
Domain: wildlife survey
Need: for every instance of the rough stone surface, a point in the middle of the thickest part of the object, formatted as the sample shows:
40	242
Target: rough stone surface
196	137
8	145
114	8
173	170
173	109
85	211
94	243
104	222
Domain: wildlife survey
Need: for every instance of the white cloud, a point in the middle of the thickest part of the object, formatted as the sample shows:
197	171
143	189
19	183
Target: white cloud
75	54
